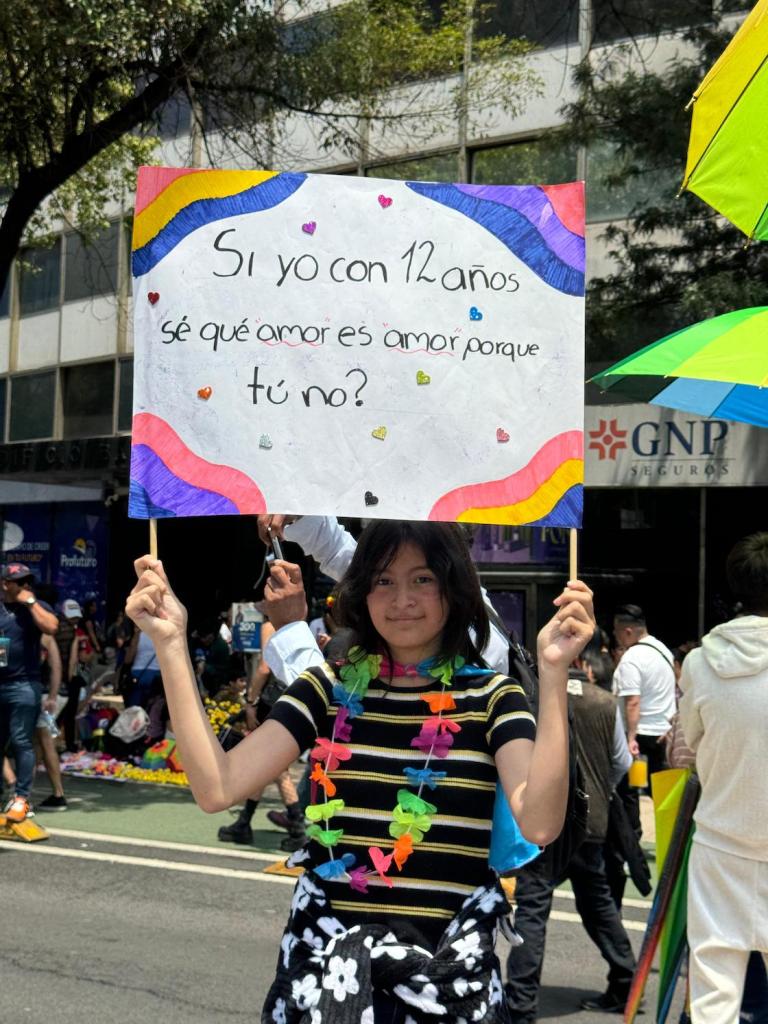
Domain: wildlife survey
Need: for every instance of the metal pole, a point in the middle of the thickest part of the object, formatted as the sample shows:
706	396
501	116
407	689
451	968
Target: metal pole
702	557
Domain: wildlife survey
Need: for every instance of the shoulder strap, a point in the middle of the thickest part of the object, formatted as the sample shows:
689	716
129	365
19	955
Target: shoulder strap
660	653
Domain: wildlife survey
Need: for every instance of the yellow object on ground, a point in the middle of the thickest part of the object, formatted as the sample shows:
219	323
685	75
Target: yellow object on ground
27	831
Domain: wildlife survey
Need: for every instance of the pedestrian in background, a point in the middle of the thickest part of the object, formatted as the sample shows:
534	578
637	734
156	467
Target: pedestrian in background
724	715
23	620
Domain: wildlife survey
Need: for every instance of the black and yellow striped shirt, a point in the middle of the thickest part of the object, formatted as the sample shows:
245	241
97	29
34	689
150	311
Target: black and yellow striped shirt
452	859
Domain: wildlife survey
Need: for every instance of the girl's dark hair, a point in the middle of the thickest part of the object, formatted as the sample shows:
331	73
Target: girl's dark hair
447	555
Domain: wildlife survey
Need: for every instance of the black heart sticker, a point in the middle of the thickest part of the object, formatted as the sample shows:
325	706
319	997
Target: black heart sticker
371	499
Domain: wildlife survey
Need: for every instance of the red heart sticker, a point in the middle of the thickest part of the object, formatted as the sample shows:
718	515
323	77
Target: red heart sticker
502	436
153	297
385	201
204	393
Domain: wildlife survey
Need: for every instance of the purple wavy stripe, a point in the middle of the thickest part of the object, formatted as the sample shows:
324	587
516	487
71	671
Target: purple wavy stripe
534	205
169	492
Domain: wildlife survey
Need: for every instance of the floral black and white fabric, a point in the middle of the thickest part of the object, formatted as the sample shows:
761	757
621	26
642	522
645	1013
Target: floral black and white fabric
326	973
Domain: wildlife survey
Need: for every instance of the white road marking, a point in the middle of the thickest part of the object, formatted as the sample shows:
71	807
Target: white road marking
147	862
204	869
156	844
566	894
564	915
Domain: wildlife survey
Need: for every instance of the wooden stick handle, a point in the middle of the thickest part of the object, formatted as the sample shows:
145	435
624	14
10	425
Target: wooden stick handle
153	538
573	554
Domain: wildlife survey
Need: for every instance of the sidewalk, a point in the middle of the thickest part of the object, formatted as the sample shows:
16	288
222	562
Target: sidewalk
144	811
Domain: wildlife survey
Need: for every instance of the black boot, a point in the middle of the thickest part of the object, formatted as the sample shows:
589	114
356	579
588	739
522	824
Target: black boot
297	836
240	831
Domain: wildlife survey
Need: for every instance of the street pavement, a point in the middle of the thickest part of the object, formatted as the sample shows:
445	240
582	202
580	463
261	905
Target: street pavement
132	911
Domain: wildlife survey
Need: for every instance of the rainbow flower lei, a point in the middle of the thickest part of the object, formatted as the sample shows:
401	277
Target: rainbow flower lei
412	815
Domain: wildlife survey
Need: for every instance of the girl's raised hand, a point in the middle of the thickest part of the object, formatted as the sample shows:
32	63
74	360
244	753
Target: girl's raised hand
571	627
152	604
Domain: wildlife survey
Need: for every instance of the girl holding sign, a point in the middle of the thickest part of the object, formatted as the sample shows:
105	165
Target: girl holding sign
395	917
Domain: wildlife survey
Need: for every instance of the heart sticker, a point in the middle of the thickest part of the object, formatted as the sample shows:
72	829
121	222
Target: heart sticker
153	297
502	436
204	393
385	201
265	441
423	378
475	314
309	227
371	499
379	433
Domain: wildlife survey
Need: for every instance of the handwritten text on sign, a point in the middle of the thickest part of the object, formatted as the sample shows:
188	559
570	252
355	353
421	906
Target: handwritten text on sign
314	344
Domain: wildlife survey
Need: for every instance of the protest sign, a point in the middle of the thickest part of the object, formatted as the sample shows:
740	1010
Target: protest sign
319	344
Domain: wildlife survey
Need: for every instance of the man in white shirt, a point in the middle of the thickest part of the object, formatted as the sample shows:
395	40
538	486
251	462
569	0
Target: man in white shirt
645	679
293	648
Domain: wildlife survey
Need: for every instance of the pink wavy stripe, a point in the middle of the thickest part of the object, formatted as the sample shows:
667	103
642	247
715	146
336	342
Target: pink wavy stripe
515	488
156	434
568	203
154	180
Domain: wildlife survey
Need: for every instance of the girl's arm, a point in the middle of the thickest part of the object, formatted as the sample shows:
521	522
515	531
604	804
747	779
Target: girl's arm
535	775
217	779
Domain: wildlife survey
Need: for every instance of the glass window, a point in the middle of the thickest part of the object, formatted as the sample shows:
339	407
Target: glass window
125	395
173	118
544	161
3	391
5	297
443	167
546	22
609	201
32	405
87	394
622	19
91	269
39	279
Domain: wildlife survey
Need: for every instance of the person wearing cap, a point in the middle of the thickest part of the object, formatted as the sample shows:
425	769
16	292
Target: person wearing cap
66	639
23	620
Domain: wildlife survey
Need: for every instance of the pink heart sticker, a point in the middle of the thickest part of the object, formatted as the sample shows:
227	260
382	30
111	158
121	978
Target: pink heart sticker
153	297
502	436
385	201
309	227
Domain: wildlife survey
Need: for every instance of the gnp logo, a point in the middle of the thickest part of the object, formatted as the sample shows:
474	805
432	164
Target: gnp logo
664	448
607	439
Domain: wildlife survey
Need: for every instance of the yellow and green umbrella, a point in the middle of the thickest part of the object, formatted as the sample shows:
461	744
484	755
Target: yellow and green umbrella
718	367
727	162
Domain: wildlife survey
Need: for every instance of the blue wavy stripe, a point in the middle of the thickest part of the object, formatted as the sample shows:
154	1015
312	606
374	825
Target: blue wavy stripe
141	506
567	512
167	491
268	194
511	228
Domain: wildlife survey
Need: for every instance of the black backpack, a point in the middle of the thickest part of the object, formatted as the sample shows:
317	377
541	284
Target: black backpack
554	859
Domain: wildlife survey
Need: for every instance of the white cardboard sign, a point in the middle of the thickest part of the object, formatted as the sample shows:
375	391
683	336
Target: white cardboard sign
316	344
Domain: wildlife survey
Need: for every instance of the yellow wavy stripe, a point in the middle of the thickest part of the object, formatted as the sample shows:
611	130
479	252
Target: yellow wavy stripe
538	505
189	189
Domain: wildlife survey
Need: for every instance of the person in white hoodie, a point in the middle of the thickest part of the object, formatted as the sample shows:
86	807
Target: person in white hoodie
724	715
